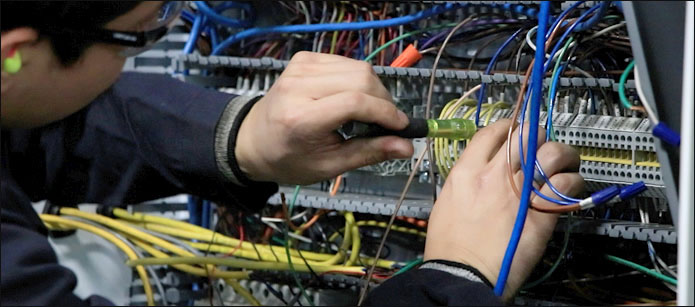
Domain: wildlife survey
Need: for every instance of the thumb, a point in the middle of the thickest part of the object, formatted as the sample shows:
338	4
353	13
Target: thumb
359	152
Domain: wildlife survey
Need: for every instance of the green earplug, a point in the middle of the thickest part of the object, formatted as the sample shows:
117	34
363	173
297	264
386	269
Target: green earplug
13	63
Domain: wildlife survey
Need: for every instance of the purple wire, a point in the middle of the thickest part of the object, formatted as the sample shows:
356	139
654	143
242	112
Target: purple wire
441	35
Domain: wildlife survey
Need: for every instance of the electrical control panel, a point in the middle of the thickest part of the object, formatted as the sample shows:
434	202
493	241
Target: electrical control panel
596	109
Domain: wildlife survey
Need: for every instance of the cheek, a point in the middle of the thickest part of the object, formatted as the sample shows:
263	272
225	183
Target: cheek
97	70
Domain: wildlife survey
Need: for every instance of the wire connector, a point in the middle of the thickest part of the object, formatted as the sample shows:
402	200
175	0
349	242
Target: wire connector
599	197
628	192
407	58
666	134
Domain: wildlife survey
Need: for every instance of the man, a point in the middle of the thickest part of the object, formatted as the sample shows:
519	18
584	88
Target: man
74	130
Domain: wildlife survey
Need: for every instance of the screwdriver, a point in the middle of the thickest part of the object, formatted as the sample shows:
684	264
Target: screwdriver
453	129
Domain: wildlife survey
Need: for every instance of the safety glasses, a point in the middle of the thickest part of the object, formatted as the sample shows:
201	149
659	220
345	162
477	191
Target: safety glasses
136	42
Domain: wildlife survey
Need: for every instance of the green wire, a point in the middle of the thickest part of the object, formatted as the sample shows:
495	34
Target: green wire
409	266
403	36
557	70
642	269
550	272
287	247
621	85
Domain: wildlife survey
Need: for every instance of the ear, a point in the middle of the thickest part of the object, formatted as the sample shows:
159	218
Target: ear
13	40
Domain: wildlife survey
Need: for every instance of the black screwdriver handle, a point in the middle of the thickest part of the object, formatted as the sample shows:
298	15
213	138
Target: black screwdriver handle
417	128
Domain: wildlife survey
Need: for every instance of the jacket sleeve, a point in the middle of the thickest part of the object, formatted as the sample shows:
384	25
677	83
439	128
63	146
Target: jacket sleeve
31	275
148	136
435	283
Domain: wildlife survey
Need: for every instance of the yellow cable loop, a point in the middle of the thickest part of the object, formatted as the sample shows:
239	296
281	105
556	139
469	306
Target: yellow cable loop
347	241
355	233
214	248
51	220
225	244
190	231
242	292
214	273
245	264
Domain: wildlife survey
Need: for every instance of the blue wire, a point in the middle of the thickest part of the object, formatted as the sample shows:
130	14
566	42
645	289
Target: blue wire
561	16
346	26
586	25
195	33
567	200
567	33
204	9
214	37
556	201
481	94
527	187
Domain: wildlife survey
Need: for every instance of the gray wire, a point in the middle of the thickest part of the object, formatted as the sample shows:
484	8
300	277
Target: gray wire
155	277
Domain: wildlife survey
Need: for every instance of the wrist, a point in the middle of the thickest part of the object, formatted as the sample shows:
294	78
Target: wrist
243	156
468	260
248	158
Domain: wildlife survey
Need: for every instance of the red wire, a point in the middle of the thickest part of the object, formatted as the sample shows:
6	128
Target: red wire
241	238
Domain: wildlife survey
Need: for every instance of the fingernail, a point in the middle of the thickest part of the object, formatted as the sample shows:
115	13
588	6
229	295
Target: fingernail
400	150
404	118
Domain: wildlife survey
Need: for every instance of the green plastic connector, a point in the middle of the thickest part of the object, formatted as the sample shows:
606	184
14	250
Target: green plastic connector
453	129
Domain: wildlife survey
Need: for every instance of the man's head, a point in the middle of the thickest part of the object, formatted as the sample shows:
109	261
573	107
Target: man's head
64	65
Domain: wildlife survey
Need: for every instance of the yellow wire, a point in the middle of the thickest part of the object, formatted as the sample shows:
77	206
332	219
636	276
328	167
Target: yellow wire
53	219
355	234
335	33
347	240
264	250
190	231
224	244
242	292
124	228
214	273
245	264
387	264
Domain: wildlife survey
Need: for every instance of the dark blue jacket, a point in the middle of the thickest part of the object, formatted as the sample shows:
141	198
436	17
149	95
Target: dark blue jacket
147	137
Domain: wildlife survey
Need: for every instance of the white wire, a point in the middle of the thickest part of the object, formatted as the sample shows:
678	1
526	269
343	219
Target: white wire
533	46
306	11
291	234
299	215
272	219
604	31
643	99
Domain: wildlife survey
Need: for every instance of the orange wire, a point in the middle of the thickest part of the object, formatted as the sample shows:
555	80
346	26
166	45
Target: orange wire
304	226
336	185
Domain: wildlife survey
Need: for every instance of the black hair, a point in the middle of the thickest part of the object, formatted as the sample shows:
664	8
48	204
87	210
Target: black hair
44	15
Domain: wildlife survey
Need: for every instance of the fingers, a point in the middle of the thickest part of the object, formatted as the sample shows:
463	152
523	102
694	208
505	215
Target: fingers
340	108
315	57
515	158
557	157
360	152
320	86
315	68
570	184
485	143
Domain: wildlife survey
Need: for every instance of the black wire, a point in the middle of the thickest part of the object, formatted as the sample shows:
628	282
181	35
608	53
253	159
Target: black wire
275	293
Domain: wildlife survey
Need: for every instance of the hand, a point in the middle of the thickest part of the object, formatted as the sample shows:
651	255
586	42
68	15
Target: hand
473	218
289	135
